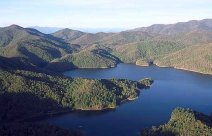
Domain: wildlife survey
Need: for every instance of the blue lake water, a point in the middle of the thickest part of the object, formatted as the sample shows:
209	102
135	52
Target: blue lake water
172	88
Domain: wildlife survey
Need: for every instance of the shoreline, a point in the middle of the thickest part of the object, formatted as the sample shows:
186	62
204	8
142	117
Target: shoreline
41	116
160	66
178	68
52	113
183	69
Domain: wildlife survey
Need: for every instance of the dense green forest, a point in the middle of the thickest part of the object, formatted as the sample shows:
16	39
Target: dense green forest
156	44
68	49
43	93
35	129
186	58
31	82
183	122
25	95
147	50
87	58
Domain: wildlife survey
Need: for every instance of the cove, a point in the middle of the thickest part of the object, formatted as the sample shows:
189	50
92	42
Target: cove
171	88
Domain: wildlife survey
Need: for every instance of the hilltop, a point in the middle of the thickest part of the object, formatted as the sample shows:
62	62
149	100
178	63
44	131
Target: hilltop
31	66
151	44
183	122
68	49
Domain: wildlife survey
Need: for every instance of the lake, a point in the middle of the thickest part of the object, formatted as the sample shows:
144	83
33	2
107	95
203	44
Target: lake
171	88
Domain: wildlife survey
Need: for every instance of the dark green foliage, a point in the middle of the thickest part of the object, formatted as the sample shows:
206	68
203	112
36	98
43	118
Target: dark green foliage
68	35
74	49
94	58
194	58
147	50
152	49
183	122
24	89
16	106
26	95
35	129
32	45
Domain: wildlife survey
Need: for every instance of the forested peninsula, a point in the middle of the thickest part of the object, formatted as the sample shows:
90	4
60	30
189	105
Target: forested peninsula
32	63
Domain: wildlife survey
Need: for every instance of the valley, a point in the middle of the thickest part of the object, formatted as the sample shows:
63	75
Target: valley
76	49
35	80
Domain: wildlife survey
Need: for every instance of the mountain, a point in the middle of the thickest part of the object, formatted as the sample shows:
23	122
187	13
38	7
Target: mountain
68	34
147	44
86	58
125	37
97	30
67	49
31	44
183	45
50	30
29	87
147	50
47	51
46	30
90	39
178	28
80	38
193	58
191	32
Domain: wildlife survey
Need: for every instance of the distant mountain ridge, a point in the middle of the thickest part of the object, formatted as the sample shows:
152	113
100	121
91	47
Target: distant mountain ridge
68	48
31	66
46	30
31	44
49	30
152	43
181	27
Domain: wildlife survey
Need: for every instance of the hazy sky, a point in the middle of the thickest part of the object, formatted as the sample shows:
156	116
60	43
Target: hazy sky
101	13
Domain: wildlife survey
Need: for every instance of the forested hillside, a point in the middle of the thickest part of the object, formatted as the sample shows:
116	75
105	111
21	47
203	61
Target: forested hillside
178	28
193	58
68	49
31	66
25	95
147	45
87	58
183	122
44	93
32	45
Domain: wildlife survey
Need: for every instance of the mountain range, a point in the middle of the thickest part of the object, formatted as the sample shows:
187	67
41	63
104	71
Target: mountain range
49	30
157	44
32	62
